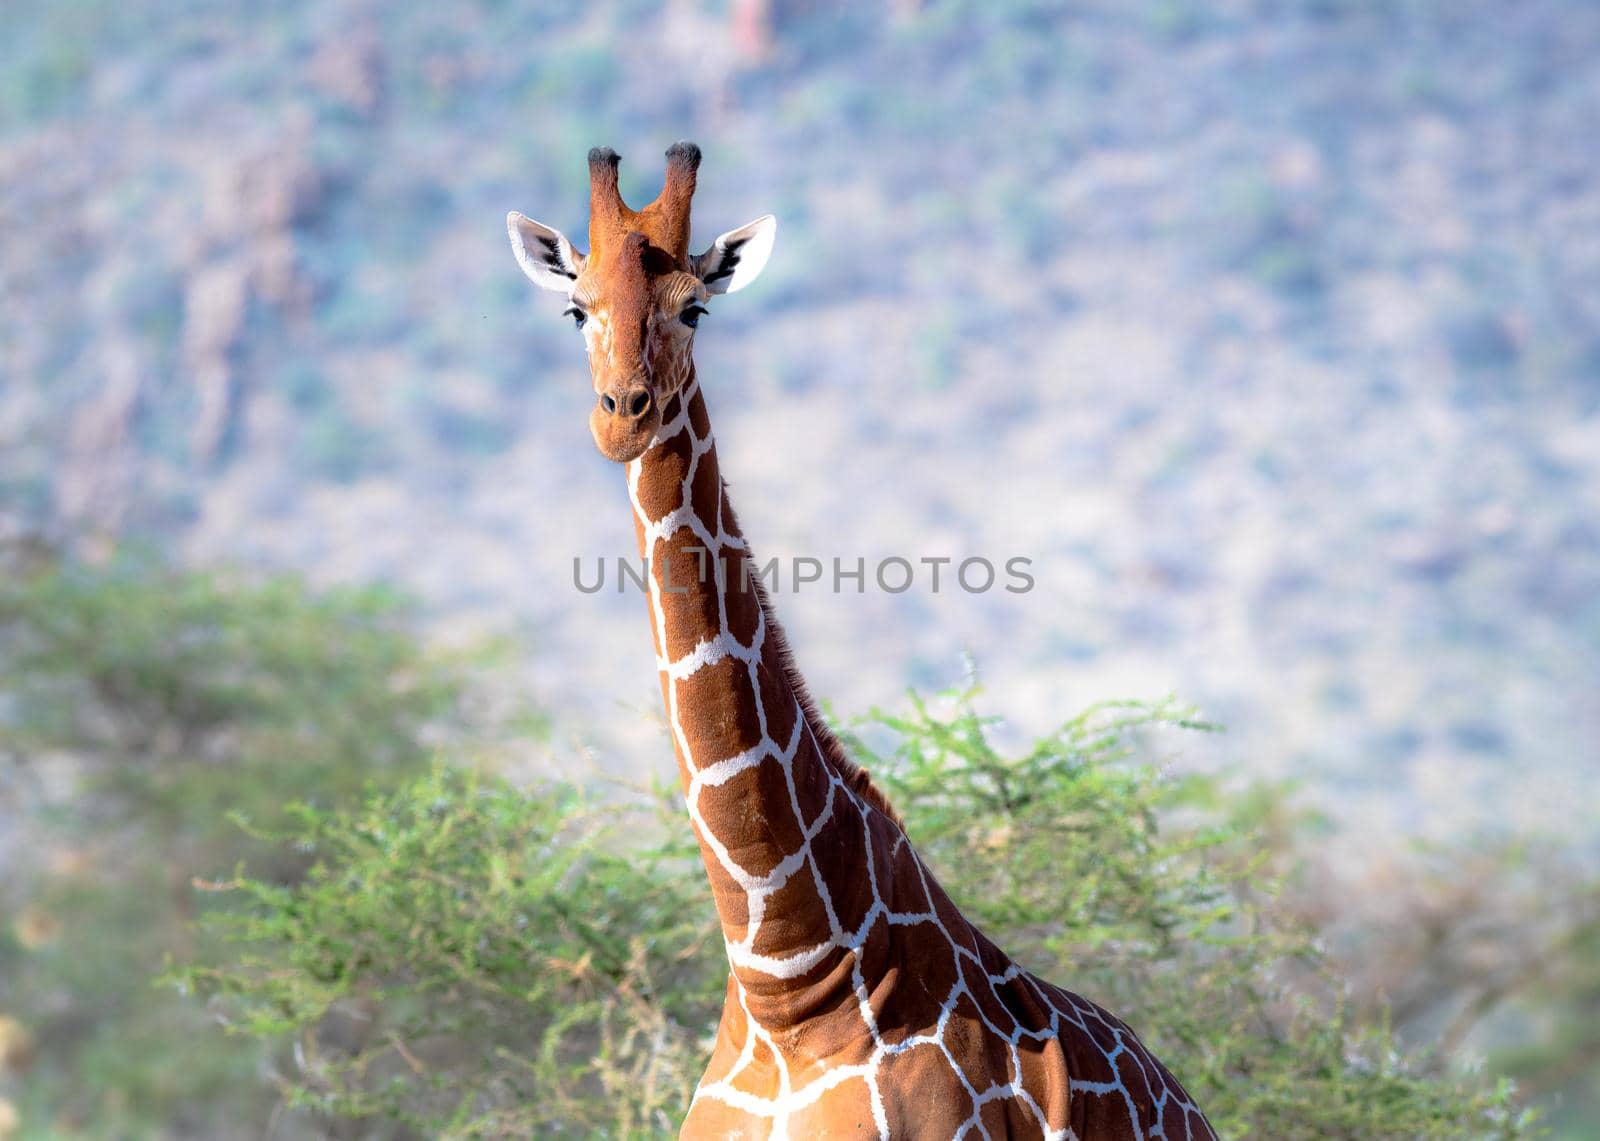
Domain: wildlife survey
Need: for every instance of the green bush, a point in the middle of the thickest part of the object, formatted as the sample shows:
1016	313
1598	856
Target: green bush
471	960
1155	895
409	950
491	962
139	704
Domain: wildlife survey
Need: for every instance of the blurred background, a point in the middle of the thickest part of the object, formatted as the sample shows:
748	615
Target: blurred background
1268	329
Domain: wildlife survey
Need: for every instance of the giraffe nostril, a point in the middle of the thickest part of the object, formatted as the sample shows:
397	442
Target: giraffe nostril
608	403
639	405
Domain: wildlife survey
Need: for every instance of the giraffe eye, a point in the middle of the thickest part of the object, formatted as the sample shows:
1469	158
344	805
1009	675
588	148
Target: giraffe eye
578	316
691	316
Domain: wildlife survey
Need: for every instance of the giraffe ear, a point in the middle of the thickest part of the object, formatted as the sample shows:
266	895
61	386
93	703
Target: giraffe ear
735	259
544	254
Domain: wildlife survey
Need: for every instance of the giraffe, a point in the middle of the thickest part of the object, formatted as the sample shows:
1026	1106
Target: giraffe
860	1002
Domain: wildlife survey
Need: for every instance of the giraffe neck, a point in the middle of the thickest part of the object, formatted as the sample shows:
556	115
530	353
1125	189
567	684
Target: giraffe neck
777	809
860	1000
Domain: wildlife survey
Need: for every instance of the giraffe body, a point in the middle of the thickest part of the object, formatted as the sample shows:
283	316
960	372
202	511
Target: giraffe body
861	1003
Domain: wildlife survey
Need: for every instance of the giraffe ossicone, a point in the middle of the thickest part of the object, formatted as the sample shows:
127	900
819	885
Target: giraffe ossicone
861	1003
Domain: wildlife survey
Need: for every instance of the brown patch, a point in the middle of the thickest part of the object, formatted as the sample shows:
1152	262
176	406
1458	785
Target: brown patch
738	604
908	998
972	1046
910	897
705	492
690	611
994	960
1154	1076
1023	1002
739	613
813	788
753	817
1103	1115
698	418
661	474
954	922
657	262
843	863
778	703
923	1096
716	709
670	408
885	867
1133	1079
964	1037
1172	1118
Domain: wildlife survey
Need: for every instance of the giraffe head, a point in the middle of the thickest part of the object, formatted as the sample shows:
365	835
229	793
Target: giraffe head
637	295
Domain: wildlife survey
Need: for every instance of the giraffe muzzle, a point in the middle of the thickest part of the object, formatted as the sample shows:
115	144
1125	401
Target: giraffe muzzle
624	421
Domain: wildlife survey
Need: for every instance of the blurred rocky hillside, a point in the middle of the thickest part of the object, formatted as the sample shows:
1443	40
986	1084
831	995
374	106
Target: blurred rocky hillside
1268	329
